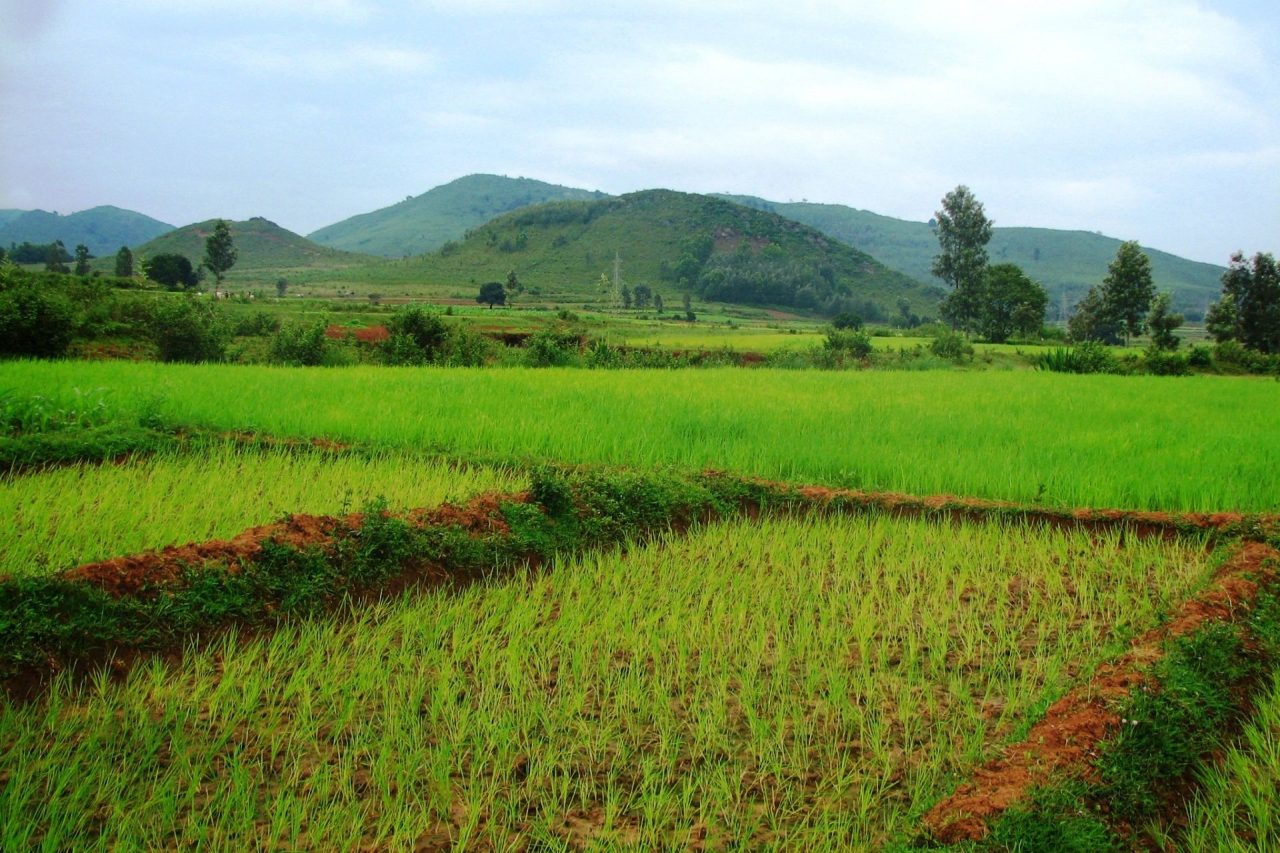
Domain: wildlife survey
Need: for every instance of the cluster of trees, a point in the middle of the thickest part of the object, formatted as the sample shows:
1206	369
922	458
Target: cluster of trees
1249	310
1125	305
37	253
997	302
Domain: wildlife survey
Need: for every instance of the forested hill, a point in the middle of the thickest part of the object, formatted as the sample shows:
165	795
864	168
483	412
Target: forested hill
425	222
675	242
103	229
1069	261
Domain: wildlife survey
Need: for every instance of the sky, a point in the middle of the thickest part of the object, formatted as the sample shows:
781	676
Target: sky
1154	120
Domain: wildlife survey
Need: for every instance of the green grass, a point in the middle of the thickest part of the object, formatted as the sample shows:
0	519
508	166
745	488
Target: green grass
1198	443
83	513
1238	808
810	683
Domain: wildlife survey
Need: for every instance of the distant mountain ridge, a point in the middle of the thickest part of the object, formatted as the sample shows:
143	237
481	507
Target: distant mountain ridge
260	245
1065	262
426	222
104	229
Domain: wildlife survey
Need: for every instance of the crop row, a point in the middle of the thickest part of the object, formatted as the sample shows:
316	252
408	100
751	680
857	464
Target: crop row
85	512
1064	441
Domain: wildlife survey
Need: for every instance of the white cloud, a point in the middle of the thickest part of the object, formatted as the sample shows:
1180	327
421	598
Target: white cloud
343	11
324	60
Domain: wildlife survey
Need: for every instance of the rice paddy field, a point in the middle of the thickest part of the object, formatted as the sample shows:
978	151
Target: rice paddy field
87	512
1195	443
789	681
806	686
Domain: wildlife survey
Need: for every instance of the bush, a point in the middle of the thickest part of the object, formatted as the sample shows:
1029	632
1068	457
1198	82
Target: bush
35	321
1087	357
185	329
258	325
847	320
1163	362
300	345
845	342
549	348
425	328
952	345
1199	356
1234	356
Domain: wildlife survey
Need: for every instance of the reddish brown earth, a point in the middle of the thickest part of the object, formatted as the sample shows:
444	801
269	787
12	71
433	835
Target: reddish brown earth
140	573
366	335
1066	741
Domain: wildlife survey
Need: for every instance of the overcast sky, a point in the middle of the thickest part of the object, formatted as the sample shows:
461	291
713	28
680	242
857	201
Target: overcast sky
1156	120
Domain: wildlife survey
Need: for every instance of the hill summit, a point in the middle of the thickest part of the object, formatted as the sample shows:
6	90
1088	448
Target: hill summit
260	245
426	222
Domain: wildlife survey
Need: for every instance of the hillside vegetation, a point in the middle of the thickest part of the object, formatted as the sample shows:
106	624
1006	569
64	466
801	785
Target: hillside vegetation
103	229
1069	261
672	242
426	222
261	245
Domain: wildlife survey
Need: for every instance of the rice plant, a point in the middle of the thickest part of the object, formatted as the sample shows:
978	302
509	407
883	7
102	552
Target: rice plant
810	684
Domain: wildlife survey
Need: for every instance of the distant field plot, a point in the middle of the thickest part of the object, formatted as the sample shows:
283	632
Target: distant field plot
82	513
807	683
1199	443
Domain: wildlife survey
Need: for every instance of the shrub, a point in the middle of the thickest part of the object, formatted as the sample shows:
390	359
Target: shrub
842	341
846	320
549	348
35	321
185	329
1200	356
425	328
952	345
1086	357
260	324
1163	362
300	345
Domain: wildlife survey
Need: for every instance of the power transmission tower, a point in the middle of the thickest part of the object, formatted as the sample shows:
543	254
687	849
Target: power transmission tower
617	278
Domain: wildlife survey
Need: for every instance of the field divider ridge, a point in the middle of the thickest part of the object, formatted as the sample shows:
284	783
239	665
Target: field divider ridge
105	615
1122	749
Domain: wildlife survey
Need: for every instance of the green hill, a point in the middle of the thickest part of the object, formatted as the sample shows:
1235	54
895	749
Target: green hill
7	216
1063	261
262	247
672	242
426	222
103	229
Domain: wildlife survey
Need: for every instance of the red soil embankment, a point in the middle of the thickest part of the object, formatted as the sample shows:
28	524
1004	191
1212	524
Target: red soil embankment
1065	742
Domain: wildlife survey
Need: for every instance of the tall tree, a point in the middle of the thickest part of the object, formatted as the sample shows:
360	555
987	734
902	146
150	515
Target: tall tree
219	251
82	259
963	233
1013	303
124	263
1091	320
1249	310
1128	289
